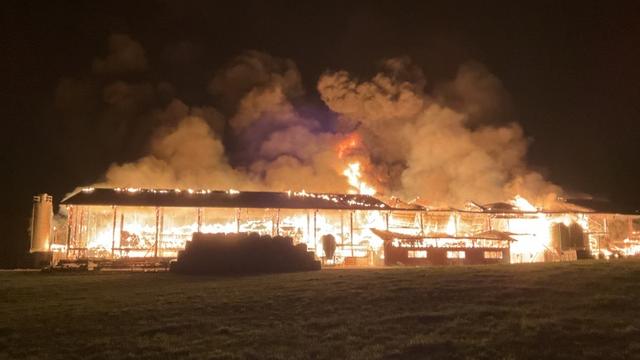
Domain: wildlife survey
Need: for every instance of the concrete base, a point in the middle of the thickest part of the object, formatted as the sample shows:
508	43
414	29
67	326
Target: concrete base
40	259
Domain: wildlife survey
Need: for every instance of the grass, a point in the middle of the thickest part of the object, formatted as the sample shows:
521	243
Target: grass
563	311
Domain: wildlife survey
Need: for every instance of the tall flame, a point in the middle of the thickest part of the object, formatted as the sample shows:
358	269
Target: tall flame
523	204
353	171
451	226
354	176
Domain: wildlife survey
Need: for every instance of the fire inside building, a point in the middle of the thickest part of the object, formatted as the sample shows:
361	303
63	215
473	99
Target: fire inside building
118	224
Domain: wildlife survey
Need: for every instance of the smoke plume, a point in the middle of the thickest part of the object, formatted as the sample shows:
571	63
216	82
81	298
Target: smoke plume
443	147
446	143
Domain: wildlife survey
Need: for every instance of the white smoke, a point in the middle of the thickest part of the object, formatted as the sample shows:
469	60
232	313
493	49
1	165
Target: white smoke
442	147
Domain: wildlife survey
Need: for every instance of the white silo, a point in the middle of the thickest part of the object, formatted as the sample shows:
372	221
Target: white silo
41	223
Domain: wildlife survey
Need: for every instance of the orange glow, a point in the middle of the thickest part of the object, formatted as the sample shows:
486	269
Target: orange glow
354	176
136	236
451	226
523	204
349	143
105	231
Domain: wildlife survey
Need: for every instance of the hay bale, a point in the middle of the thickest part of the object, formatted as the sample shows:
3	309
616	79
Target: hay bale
228	254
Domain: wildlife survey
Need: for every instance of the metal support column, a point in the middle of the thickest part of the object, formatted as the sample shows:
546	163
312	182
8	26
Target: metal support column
341	229
81	225
351	231
315	230
456	217
161	225
238	210
386	220
155	246
308	228
121	230
199	218
113	232
70	214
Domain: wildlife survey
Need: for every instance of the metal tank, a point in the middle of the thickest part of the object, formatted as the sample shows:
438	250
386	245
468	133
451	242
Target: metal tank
41	223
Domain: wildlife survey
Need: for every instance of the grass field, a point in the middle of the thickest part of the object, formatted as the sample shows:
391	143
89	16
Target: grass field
563	311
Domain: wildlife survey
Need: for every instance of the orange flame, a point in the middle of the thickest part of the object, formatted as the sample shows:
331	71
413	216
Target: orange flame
350	142
523	204
353	174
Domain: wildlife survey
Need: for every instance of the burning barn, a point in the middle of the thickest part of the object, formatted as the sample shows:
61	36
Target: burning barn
130	223
516	232
120	223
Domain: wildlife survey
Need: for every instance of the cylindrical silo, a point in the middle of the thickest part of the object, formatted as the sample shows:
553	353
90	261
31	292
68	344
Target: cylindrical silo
41	223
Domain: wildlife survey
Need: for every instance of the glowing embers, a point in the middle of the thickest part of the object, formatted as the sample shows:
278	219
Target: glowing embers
131	190
631	247
612	236
341	199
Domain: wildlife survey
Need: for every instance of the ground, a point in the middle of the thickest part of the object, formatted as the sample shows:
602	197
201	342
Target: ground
585	309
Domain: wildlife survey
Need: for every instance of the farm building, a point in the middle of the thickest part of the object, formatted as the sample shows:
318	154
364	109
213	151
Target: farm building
127	223
156	223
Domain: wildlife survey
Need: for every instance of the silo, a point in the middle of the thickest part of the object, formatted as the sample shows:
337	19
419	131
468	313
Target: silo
41	222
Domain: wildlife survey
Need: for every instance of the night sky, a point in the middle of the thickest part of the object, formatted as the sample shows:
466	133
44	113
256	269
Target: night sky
572	72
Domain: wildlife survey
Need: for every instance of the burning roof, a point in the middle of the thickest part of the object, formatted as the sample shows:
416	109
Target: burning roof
223	199
304	200
564	206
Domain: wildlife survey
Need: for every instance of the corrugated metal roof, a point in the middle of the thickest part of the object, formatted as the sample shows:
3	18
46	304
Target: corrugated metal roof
223	199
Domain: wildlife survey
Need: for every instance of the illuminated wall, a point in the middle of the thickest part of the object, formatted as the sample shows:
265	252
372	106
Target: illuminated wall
133	232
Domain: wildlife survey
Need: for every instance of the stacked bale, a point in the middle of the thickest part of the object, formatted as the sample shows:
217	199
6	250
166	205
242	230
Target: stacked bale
243	253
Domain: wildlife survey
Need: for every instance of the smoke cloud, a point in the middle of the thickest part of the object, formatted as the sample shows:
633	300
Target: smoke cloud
189	155
444	147
125	55
447	145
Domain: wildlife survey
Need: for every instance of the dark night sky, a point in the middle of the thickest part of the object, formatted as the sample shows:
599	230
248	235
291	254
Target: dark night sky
572	70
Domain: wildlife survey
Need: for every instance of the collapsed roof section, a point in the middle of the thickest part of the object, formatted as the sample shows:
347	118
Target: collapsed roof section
561	206
224	199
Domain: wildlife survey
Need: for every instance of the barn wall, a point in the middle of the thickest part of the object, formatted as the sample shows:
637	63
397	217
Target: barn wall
439	256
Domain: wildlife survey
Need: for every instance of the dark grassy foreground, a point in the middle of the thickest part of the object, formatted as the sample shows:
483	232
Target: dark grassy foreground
565	311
